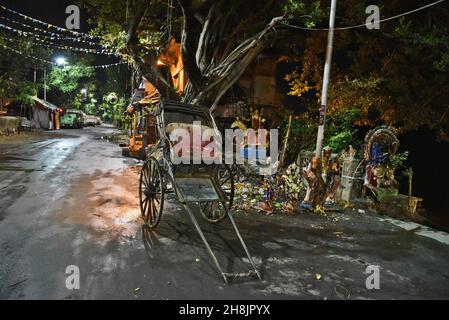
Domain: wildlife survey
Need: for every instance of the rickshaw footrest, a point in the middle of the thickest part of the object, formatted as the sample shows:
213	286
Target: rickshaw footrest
250	274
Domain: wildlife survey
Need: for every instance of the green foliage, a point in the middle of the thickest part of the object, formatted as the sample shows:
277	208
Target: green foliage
112	20
26	92
18	90
395	76
113	108
90	108
67	83
307	12
302	135
398	160
434	37
341	132
64	84
115	80
341	140
294	8
68	79
16	81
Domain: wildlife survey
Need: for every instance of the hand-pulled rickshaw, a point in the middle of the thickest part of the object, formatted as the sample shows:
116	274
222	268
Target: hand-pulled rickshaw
211	186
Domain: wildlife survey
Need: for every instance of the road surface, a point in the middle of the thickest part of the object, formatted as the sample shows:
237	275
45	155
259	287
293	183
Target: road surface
69	198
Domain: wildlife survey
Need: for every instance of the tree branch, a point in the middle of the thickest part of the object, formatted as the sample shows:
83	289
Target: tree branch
234	65
148	64
188	45
244	24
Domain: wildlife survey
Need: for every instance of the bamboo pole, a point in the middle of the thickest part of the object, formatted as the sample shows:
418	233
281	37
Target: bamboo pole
287	137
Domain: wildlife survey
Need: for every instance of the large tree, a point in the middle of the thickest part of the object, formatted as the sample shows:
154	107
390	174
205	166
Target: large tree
219	39
395	75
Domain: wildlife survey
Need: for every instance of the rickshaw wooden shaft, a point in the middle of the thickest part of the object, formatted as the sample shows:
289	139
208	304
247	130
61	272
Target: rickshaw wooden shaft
211	253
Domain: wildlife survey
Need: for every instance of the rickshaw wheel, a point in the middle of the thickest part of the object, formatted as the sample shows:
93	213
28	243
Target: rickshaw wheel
214	212
151	193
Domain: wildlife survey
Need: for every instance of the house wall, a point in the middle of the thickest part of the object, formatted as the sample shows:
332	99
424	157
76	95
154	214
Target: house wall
45	115
41	118
259	81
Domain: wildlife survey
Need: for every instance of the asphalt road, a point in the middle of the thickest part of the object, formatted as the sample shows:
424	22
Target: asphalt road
69	198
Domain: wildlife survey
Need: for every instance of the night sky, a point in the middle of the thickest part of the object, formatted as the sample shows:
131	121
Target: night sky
51	11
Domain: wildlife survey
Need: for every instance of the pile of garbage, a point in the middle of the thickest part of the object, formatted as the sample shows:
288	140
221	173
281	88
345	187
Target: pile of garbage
279	192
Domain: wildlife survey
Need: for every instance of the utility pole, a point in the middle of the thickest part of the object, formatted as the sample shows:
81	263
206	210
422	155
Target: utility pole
45	83
319	186
327	70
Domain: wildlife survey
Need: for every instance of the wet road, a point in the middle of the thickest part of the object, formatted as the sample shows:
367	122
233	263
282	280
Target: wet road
70	198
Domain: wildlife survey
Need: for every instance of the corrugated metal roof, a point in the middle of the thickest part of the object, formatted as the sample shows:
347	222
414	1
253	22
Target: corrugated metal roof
45	104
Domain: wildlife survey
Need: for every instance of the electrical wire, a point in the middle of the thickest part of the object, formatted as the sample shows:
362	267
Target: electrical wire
367	24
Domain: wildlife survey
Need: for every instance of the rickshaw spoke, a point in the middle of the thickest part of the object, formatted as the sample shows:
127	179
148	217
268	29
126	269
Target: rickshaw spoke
145	205
150	212
152	173
151	193
225	181
144	199
145	175
149	170
155	211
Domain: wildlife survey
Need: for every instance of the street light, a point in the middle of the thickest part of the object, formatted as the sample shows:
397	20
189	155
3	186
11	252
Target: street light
61	61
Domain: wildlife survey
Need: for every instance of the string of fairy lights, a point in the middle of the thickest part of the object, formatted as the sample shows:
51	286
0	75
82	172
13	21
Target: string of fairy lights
49	34
50	45
49	37
49	42
53	37
48	25
102	66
